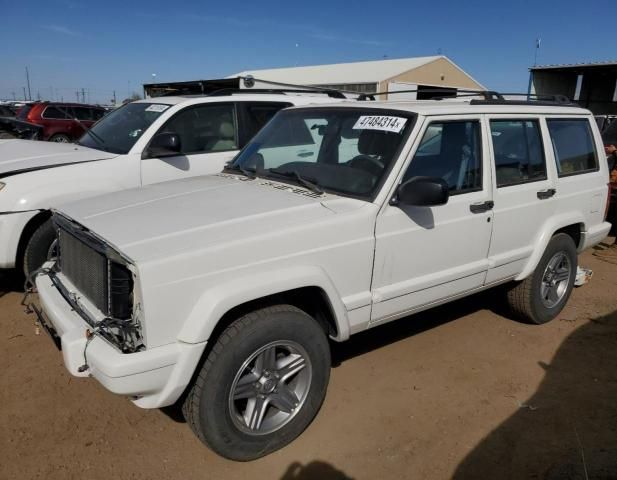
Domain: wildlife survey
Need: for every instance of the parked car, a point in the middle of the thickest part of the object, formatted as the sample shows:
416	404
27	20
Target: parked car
141	143
222	290
61	122
6	111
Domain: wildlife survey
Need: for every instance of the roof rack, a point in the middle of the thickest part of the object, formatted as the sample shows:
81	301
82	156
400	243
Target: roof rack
489	97
527	99
445	91
232	91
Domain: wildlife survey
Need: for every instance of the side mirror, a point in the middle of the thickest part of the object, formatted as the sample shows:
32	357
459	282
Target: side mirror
166	144
422	192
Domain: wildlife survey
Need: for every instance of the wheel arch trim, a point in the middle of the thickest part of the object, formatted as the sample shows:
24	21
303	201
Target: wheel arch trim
216	302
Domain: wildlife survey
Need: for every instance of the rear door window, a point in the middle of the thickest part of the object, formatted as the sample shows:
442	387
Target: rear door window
518	151
573	146
82	113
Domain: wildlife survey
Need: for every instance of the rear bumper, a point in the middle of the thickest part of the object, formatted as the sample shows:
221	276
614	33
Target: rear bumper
11	227
153	378
594	235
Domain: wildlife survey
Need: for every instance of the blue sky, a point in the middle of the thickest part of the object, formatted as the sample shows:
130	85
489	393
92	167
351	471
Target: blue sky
109	45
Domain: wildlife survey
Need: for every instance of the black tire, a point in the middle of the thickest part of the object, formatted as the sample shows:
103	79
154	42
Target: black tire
207	406
525	298
37	248
60	138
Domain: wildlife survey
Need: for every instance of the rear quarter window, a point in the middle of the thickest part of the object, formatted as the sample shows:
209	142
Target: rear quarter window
573	145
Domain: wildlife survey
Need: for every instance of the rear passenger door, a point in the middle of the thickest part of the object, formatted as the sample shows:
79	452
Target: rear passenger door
524	191
427	254
208	139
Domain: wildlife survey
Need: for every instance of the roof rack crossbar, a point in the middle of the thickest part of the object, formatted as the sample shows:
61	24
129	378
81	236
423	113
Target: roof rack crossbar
232	91
487	94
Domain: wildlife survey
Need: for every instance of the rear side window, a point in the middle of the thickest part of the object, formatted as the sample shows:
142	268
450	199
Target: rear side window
261	113
57	113
451	151
519	155
573	146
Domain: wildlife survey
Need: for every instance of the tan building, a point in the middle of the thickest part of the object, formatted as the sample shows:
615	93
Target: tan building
422	73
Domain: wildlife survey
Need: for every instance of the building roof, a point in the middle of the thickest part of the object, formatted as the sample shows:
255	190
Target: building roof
338	73
574	66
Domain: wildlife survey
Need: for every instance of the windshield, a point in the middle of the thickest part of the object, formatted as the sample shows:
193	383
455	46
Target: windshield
118	131
343	150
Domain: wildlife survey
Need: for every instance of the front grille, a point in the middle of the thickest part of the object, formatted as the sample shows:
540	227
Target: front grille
106	283
85	268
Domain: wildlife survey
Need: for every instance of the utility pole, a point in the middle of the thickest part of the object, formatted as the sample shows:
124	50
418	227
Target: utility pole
28	82
77	95
83	95
13	96
25	98
114	97
535	62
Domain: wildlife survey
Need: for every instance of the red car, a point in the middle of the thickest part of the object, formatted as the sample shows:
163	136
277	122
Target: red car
61	122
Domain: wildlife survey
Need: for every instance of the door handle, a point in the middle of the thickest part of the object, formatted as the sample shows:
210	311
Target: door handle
305	154
544	194
482	206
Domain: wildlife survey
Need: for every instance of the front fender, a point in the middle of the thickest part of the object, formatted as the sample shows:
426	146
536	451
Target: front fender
547	231
217	301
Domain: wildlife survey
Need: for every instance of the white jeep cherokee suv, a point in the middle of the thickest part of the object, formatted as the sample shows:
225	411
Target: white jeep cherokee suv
222	290
141	143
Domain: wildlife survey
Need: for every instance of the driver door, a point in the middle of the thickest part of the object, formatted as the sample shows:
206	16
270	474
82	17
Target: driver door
424	255
208	140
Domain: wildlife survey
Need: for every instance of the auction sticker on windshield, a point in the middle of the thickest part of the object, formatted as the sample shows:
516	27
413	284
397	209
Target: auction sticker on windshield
157	107
380	122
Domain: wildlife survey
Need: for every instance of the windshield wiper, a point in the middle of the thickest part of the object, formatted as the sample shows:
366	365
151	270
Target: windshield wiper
237	168
311	184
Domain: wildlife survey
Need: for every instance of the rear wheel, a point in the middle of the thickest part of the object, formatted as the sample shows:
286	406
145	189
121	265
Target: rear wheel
262	383
541	296
60	138
40	247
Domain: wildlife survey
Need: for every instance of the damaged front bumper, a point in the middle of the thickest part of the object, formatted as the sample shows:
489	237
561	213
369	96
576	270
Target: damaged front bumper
153	378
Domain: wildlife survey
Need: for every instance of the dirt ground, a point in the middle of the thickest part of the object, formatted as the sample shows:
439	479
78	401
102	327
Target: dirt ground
458	392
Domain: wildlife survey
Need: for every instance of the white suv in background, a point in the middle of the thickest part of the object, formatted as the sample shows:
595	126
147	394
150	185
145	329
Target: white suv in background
223	290
141	143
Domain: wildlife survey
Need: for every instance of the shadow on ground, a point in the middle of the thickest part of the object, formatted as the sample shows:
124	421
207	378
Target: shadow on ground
568	429
10	281
313	471
389	333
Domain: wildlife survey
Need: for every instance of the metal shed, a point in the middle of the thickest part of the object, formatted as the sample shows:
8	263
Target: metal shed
591	85
420	73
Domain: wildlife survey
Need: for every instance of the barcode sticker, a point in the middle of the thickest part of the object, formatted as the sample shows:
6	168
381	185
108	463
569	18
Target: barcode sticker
157	107
379	122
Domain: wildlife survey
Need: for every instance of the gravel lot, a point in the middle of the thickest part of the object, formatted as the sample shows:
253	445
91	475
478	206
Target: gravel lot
460	391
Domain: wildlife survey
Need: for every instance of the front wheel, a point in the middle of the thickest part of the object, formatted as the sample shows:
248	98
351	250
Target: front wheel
261	384
541	296
40	247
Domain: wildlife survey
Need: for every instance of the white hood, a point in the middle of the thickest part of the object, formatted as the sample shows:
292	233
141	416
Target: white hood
18	156
177	217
